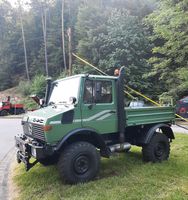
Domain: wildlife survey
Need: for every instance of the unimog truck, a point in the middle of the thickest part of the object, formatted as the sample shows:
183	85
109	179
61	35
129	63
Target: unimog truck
83	118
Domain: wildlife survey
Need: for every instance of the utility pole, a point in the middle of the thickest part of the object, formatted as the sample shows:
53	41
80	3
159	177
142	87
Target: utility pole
69	33
45	41
23	38
63	35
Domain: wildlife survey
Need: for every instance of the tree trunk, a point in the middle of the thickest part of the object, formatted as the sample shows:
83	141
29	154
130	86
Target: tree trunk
69	32
45	41
63	36
24	43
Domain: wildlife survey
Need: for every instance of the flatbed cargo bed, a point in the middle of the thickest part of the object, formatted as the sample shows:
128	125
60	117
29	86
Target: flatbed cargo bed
149	115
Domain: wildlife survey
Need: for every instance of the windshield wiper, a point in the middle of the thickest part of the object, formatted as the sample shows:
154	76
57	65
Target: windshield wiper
62	102
51	103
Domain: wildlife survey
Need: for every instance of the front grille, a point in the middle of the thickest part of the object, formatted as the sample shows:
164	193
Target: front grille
34	130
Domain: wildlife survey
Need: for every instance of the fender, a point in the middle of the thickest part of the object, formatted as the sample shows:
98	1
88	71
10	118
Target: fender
85	134
166	129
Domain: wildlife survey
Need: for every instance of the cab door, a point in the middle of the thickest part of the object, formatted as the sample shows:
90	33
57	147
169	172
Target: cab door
99	106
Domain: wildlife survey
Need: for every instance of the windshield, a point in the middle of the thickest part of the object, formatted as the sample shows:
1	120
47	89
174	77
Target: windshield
63	90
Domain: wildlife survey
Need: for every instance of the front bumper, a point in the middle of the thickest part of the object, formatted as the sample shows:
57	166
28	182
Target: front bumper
30	148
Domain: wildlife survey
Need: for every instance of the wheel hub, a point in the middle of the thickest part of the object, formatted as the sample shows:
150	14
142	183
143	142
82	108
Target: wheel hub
81	164
159	150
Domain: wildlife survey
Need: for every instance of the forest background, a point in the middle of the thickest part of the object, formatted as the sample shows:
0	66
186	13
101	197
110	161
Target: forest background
148	37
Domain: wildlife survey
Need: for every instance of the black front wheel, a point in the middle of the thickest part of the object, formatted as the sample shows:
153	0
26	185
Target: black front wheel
158	149
79	163
19	111
3	113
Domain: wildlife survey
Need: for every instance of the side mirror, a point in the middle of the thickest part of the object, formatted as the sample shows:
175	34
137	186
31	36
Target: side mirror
72	100
36	99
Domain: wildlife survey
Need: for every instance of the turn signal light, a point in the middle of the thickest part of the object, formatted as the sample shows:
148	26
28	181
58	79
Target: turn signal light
47	127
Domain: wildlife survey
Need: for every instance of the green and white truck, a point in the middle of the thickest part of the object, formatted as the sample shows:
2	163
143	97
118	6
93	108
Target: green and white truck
83	118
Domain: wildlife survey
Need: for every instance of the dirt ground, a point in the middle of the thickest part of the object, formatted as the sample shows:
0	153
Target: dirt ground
13	93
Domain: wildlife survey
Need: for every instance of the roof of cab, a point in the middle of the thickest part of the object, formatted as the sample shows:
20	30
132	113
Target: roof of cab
88	75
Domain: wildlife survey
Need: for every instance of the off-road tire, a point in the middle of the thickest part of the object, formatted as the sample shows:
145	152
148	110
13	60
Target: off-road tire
19	111
158	149
79	163
3	113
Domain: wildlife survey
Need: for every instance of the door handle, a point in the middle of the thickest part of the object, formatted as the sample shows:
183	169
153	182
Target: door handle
90	106
112	111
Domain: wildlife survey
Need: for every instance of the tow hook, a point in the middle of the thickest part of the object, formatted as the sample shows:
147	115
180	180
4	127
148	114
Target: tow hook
29	165
25	160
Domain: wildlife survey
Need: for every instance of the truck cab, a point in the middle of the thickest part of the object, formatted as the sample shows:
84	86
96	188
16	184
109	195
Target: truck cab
84	118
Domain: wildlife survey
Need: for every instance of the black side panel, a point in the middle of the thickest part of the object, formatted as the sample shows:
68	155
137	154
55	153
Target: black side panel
67	117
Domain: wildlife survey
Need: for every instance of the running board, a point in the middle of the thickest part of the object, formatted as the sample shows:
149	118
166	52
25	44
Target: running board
120	147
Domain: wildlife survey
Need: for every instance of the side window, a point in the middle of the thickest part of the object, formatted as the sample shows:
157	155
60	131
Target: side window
97	92
88	92
103	92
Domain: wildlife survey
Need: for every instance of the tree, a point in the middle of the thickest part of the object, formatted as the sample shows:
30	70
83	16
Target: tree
92	23
113	39
170	36
24	43
63	33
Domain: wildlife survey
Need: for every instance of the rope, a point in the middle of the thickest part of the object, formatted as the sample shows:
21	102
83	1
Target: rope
136	92
89	64
98	71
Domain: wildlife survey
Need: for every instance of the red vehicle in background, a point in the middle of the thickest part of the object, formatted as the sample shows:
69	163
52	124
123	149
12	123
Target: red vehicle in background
182	107
6	108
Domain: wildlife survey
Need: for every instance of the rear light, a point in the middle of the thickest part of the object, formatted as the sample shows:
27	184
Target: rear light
182	110
47	128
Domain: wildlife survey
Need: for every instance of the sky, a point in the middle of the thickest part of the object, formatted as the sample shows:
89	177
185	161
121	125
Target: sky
14	3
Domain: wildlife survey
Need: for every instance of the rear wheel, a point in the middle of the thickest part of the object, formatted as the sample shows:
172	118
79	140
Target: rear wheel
158	149
3	113
79	163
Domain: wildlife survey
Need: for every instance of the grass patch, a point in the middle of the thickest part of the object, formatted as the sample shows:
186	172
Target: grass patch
124	176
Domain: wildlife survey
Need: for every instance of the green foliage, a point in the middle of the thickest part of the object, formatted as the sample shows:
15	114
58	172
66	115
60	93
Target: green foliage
183	79
108	33
24	88
86	35
170	36
114	38
29	104
126	43
38	85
